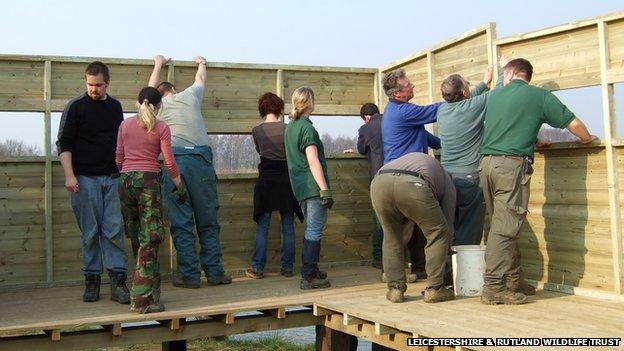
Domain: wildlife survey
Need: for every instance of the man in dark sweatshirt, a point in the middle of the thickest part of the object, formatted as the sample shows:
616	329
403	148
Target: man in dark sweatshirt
86	142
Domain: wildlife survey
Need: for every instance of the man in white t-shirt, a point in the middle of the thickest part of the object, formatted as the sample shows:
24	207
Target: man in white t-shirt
182	112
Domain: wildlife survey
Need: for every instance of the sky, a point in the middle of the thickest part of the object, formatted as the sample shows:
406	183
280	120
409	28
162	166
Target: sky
360	33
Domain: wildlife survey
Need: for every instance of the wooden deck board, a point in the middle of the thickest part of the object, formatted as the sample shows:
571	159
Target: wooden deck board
356	291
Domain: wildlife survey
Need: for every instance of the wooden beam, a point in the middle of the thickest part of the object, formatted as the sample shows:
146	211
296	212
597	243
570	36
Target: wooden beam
175	323
381	329
352	320
157	333
53	334
615	75
115	329
608	113
47	146
227	318
278	313
328	339
149	62
397	341
320	311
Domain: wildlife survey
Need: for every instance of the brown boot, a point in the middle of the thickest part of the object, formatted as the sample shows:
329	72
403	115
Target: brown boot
438	295
521	287
505	296
395	292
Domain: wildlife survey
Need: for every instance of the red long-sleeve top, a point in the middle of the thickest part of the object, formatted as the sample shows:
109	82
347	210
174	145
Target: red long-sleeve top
138	150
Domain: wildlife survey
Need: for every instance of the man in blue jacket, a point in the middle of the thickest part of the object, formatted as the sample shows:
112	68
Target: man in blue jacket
403	126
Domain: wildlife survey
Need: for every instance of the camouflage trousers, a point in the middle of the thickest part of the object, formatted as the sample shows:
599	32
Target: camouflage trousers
141	206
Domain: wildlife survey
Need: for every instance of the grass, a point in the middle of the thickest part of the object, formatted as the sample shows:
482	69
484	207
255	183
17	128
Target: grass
218	344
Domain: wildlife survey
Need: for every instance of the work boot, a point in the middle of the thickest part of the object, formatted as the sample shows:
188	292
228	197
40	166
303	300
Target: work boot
521	287
314	282
287	273
250	273
506	297
438	295
119	290
154	307
181	282
92	288
224	279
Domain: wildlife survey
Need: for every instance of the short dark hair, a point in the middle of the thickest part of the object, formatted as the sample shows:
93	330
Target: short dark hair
522	67
452	88
368	109
270	103
97	67
165	87
151	94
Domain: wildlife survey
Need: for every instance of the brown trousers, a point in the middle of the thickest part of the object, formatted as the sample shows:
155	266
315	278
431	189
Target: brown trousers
398	198
506	186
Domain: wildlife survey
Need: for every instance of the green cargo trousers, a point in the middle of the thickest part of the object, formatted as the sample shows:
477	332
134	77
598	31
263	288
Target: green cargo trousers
506	186
397	199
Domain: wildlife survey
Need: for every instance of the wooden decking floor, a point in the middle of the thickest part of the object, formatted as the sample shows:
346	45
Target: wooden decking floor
356	292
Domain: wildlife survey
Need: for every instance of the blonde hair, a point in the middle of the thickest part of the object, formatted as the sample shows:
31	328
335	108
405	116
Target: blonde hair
147	115
302	100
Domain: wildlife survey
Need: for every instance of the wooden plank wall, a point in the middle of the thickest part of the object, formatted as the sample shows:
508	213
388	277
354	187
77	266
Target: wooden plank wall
467	54
574	232
39	239
573	235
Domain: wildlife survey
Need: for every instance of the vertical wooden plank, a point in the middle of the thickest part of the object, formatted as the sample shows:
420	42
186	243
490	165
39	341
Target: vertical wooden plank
173	256
431	79
490	34
608	113
47	146
279	85
376	91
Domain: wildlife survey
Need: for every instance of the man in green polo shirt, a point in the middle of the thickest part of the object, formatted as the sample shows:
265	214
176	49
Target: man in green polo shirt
514	115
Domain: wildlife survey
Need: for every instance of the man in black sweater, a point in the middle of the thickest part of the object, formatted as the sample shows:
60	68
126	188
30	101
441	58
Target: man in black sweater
86	143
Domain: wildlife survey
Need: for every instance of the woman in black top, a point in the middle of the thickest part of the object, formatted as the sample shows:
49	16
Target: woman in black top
273	191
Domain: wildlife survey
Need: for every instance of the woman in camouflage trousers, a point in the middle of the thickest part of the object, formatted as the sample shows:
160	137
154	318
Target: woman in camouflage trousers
140	141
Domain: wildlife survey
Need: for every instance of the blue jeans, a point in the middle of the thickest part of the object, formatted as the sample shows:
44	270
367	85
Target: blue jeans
197	214
288	241
316	216
98	213
470	210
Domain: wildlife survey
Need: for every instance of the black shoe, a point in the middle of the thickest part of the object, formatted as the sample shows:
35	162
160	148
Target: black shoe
314	283
181	282
119	289
287	273
224	279
92	288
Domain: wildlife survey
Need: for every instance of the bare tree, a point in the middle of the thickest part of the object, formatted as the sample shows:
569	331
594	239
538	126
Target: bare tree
13	147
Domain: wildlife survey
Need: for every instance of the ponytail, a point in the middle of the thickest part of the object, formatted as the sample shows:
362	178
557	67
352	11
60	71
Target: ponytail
147	115
302	101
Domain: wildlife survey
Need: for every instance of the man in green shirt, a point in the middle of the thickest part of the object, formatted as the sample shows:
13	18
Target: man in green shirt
514	115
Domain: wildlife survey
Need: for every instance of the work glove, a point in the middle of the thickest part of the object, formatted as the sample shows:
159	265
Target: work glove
327	200
180	194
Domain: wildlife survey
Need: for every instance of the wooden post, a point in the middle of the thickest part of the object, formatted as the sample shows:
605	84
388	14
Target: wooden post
490	34
328	339
608	113
279	85
173	261
376	91
47	146
174	345
431	79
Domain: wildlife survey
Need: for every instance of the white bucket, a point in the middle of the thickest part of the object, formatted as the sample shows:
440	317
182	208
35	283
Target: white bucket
468	269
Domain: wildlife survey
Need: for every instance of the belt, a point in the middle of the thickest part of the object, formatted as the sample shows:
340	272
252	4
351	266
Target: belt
401	171
514	157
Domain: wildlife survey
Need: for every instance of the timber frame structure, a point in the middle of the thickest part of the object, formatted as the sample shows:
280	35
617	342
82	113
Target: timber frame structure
571	244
